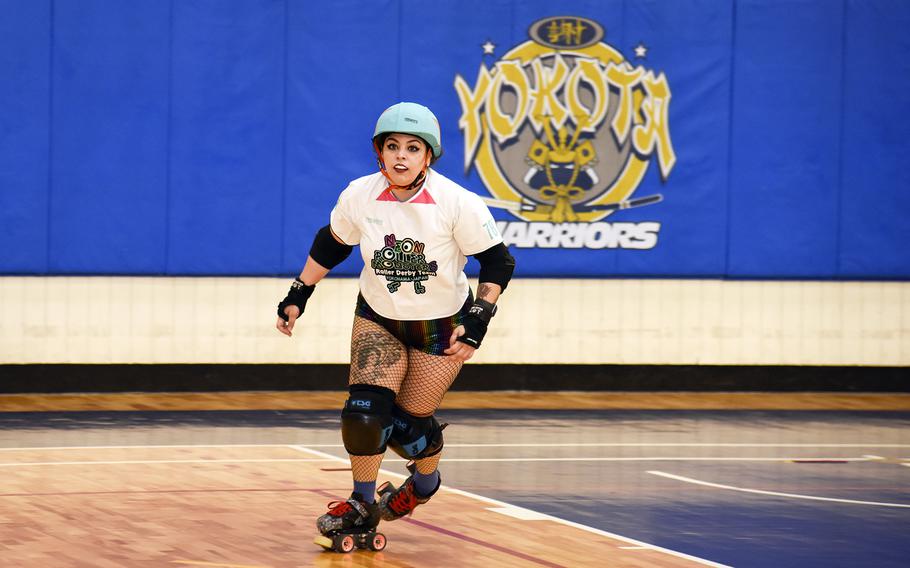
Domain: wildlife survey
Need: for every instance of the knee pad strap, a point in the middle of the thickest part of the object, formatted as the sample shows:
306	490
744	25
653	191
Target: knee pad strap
366	421
414	437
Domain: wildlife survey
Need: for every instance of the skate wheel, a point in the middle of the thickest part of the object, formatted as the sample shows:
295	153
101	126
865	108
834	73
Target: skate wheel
386	487
344	543
324	541
378	542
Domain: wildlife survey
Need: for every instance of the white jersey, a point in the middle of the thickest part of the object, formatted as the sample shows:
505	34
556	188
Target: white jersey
414	251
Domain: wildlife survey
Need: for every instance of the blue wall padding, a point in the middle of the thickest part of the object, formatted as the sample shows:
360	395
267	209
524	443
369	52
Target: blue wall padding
785	144
874	228
213	138
227	137
24	136
333	100
696	43
108	191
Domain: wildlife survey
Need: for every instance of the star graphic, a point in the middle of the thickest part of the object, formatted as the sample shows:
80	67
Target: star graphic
488	47
641	51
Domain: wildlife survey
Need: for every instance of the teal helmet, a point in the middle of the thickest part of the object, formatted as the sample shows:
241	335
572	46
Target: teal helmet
411	118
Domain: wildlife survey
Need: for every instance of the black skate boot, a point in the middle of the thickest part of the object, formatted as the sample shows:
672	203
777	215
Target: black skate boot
396	503
349	524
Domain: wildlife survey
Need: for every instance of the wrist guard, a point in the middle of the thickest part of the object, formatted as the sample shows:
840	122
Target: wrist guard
475	322
297	296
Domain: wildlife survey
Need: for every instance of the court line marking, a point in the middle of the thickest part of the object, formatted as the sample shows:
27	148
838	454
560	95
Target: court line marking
503	504
213	564
774	493
660	458
519	513
162	492
666	445
329	457
143	447
148	462
466	538
467	460
508	550
538	445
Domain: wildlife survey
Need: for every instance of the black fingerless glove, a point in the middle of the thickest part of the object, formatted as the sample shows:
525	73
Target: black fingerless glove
297	296
475	322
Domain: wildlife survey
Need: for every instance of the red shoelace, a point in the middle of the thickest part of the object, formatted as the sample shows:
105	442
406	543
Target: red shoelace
339	508
405	500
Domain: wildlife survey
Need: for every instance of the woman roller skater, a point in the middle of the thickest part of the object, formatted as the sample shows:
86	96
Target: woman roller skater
416	320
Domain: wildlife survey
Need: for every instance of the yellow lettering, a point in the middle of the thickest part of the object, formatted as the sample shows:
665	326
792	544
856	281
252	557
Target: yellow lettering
510	94
504	127
471	102
589	71
546	103
624	78
655	131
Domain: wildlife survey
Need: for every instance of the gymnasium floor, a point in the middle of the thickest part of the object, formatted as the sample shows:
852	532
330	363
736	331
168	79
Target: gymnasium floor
593	487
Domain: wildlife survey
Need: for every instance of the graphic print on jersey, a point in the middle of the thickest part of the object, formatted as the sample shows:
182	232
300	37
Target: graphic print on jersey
403	261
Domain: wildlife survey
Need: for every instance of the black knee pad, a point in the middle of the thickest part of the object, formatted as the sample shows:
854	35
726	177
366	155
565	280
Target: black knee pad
366	421
413	437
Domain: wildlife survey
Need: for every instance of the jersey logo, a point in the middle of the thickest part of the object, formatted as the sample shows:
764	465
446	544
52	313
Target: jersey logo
403	261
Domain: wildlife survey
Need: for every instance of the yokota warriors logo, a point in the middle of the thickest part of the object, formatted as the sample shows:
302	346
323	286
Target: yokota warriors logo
561	129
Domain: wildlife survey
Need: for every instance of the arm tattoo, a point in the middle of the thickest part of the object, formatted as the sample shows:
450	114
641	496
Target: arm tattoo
483	291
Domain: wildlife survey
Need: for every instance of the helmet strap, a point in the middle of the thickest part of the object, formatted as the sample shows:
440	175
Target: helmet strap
418	181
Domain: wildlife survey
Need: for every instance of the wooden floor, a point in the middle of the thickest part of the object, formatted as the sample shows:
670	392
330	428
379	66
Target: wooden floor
243	489
254	507
330	400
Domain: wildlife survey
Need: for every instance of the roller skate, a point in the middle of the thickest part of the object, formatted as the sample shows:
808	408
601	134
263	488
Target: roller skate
396	503
350	524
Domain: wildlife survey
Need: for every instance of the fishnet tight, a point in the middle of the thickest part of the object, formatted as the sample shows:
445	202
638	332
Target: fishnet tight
420	381
428	465
365	468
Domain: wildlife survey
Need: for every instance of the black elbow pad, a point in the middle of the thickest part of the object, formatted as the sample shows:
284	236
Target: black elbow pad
327	251
496	265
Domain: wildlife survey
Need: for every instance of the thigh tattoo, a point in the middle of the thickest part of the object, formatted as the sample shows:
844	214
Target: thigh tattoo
376	359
